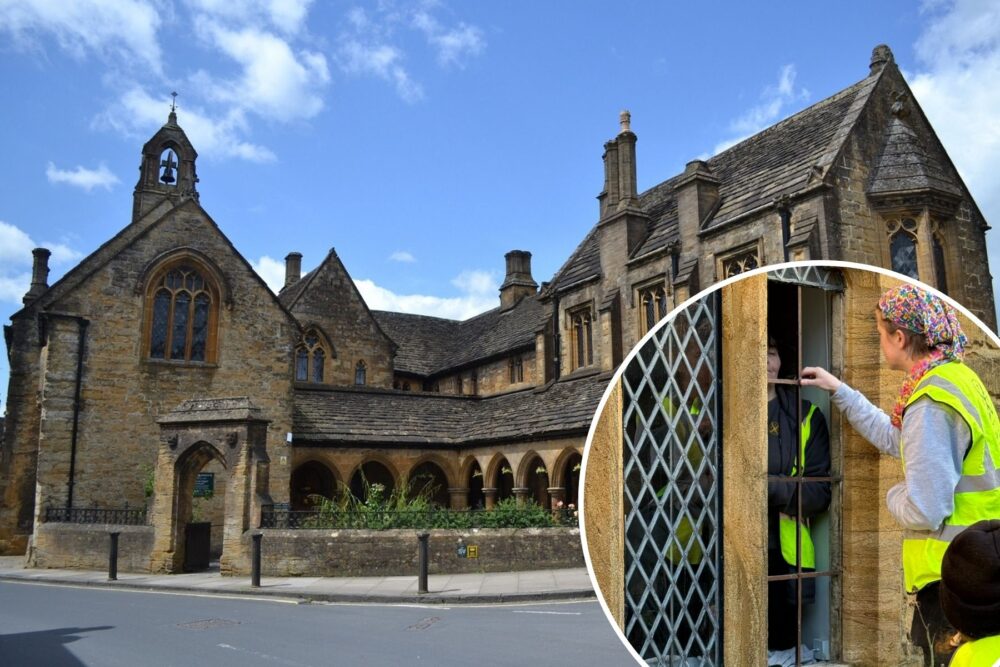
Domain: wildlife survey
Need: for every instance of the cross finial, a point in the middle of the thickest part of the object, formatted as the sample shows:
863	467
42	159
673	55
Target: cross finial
173	104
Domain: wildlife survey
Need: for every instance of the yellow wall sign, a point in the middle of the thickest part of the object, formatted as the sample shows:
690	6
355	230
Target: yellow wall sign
472	551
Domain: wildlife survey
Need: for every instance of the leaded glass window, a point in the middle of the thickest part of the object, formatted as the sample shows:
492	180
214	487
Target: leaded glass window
939	265
652	306
582	337
310	358
671	458
182	316
903	247
741	263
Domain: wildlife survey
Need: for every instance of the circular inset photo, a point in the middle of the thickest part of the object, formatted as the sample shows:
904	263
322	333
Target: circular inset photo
778	469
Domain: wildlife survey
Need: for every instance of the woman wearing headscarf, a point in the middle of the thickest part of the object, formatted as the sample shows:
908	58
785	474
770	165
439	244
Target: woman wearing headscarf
945	430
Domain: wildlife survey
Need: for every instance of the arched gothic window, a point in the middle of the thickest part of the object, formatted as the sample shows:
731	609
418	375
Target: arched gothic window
360	373
582	337
903	247
939	264
182	311
310	358
652	306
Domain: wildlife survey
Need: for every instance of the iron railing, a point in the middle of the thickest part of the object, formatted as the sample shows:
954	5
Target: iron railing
424	519
94	515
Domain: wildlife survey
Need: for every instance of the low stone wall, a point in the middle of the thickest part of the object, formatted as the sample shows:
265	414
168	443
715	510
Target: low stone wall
86	547
339	553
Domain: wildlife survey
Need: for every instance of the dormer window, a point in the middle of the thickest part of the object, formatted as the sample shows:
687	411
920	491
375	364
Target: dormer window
581	324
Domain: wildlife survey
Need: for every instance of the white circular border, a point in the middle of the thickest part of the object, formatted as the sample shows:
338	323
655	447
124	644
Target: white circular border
666	320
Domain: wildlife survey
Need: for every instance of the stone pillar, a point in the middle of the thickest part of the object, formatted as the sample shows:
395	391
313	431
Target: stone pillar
557	495
522	493
490	495
459	498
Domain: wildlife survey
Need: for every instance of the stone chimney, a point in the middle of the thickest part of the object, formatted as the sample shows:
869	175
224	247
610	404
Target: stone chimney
293	268
518	282
697	194
39	274
881	56
619	169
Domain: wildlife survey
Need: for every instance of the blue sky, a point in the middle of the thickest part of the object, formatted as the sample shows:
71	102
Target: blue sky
424	140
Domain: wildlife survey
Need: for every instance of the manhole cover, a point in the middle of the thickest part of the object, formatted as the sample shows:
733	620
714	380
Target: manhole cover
208	624
424	623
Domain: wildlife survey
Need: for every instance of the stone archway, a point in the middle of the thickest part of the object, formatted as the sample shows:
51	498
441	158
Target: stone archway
310	481
231	432
428	479
370	473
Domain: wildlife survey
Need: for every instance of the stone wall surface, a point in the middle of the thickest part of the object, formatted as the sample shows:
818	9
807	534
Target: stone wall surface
366	553
86	547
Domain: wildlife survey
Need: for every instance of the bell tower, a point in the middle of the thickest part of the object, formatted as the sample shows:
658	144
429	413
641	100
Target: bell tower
167	170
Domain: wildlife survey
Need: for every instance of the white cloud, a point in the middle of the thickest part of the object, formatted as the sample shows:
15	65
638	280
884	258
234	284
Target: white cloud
276	82
16	260
117	29
452	44
287	16
402	256
81	177
136	113
479	294
380	60
272	271
773	102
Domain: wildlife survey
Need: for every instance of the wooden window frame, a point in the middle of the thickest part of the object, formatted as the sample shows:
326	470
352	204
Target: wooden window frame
211	287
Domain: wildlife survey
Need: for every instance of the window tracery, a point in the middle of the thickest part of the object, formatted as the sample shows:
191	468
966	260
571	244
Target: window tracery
310	358
182	313
582	337
903	246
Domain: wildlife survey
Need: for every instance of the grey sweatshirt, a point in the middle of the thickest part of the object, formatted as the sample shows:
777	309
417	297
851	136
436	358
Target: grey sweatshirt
935	439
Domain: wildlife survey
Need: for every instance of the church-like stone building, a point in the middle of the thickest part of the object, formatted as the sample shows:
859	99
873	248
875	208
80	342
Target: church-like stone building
163	354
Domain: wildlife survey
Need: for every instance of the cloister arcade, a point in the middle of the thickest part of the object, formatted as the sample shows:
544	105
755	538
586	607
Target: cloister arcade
457	480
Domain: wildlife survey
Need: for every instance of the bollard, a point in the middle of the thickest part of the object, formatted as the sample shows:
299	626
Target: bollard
422	552
113	558
255	561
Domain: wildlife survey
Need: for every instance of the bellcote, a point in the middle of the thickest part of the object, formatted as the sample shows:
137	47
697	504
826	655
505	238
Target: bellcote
167	170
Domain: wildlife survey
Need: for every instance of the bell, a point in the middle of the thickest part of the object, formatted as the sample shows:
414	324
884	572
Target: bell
168	168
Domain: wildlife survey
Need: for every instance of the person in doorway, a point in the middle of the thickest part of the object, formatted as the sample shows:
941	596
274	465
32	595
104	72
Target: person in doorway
970	594
945	430
797	439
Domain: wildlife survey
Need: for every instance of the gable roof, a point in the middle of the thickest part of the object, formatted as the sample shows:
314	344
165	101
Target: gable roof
433	345
782	159
292	295
325	416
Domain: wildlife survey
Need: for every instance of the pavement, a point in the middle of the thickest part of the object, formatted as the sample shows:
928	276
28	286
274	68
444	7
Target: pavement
479	588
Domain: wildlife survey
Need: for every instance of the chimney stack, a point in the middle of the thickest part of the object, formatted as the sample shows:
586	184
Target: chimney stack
697	193
293	268
39	274
518	283
619	169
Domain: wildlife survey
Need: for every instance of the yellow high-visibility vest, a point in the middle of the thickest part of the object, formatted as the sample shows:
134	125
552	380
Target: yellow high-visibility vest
983	652
786	524
683	543
977	495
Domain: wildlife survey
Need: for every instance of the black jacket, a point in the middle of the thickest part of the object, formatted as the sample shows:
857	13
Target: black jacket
782	445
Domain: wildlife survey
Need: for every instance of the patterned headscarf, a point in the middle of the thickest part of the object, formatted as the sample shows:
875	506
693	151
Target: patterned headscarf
911	307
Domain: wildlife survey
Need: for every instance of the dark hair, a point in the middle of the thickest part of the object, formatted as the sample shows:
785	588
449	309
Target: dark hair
916	343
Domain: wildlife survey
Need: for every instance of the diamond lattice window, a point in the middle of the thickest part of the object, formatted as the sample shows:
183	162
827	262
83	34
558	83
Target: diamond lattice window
673	582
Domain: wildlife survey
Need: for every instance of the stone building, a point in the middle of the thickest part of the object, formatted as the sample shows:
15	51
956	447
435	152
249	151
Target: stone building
162	354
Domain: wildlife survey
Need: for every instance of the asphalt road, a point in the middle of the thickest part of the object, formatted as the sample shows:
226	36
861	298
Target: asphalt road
60	626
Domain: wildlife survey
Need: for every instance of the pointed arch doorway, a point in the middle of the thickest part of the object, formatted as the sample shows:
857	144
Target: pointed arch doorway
229	434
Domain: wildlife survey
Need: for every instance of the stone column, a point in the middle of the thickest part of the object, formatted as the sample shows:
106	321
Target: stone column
522	493
459	498
490	495
557	494
925	253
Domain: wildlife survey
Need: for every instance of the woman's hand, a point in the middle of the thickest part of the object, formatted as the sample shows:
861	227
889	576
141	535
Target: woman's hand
814	376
